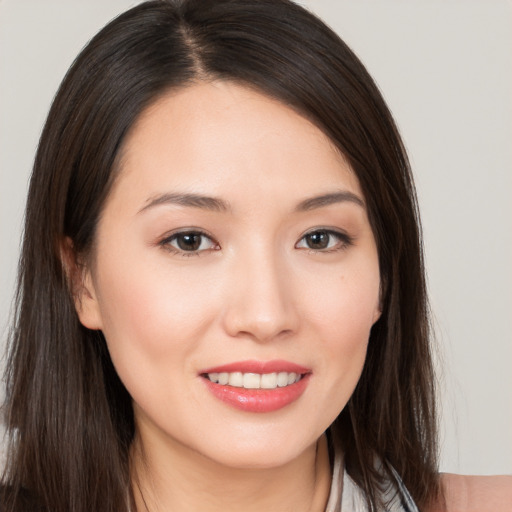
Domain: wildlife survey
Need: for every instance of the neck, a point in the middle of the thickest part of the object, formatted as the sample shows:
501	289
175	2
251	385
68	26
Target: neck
177	479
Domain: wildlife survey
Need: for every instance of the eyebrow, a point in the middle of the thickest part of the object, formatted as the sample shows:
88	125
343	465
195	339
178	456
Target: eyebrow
327	199
219	205
190	200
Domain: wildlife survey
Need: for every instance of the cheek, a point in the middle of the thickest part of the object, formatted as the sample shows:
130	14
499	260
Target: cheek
151	315
343	312
347	303
153	322
346	321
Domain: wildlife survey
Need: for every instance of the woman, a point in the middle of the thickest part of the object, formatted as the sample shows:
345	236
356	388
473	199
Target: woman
221	262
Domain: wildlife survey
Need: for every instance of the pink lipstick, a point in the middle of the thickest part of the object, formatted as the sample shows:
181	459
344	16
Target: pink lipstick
257	386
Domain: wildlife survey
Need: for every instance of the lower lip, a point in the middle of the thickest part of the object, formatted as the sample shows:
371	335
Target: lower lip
258	400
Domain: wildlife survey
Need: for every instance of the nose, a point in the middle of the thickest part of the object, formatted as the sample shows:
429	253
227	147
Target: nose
261	304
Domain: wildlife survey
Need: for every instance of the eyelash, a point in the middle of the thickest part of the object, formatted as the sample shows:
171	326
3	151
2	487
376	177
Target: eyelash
344	241
167	241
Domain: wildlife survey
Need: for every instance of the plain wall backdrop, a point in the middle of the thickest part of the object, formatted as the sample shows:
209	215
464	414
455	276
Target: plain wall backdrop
445	68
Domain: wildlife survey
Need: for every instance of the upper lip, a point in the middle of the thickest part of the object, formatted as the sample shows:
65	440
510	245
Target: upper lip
262	367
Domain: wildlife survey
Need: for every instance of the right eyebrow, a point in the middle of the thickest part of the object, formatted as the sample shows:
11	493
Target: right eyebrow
189	200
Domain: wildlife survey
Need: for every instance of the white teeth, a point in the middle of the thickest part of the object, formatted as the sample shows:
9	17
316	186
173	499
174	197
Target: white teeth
282	379
269	381
291	378
236	379
252	380
255	380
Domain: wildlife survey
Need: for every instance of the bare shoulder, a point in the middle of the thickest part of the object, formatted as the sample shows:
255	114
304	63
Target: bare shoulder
464	493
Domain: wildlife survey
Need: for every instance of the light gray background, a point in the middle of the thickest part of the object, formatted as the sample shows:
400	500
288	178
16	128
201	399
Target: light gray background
444	67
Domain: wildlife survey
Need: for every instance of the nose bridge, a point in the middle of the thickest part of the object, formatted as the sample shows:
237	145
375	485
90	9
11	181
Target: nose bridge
261	304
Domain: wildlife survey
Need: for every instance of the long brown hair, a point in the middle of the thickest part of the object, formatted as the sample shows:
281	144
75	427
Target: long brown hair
69	417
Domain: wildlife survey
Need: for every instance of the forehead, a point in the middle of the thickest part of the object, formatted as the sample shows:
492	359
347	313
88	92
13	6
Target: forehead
224	136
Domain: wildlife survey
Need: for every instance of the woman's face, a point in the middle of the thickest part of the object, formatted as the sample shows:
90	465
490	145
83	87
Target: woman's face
235	277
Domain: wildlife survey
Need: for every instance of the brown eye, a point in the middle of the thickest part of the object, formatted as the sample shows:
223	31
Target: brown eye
318	240
324	240
189	242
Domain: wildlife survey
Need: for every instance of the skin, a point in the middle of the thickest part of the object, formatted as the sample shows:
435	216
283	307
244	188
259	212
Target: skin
468	493
254	289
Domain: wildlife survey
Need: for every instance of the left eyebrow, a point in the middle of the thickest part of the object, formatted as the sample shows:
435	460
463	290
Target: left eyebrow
343	196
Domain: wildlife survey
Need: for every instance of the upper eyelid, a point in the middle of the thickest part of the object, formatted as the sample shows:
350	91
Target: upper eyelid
331	230
183	231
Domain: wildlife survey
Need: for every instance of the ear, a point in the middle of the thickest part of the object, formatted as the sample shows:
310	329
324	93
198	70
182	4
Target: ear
377	313
81	286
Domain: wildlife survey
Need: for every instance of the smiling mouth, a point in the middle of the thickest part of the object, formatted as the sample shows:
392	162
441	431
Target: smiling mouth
254	380
257	386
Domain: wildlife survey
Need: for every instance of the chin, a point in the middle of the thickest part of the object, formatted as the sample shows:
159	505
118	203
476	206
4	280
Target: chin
257	454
